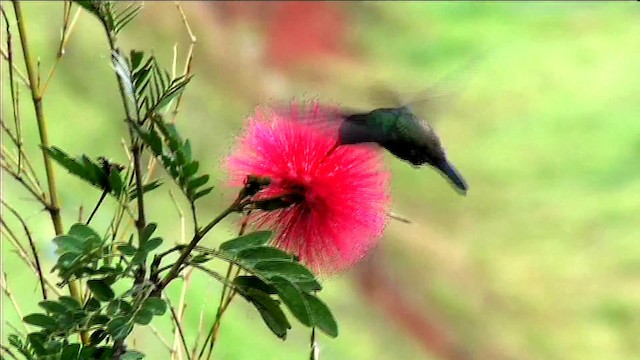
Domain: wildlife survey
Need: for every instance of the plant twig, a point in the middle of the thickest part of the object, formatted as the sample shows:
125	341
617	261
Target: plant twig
155	332
397	217
225	297
173	272
21	75
200	322
13	91
32	244
29	187
36	95
22	254
187	66
67	28
313	346
8	352
29	171
175	351
177	321
95	209
182	305
9	293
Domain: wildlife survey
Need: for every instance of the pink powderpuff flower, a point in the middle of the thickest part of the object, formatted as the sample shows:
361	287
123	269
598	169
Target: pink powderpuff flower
345	194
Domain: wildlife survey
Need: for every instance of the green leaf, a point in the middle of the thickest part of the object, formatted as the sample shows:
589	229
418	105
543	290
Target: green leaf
17	343
123	18
132	355
36	340
99	320
257	238
200	259
119	328
83	231
69	302
260	253
127	249
143	317
90	239
115	182
69	243
53	346
190	169
92	305
292	271
253	282
97	337
139	258
72	165
70	352
322	317
186	150
53	307
133	194
147	232
40	320
293	297
197	182
136	57
119	306
151	244
202	193
100	289
270	312
155	305
87	5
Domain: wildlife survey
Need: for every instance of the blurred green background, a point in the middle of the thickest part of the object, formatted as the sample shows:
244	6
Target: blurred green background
540	261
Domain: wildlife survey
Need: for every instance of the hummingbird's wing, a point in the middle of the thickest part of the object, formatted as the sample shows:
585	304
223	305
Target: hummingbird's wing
431	102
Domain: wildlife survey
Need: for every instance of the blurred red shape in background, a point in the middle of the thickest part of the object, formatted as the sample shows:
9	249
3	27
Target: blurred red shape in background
295	32
301	31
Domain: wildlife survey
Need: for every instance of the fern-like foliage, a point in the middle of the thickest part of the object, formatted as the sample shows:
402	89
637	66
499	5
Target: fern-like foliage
149	88
114	15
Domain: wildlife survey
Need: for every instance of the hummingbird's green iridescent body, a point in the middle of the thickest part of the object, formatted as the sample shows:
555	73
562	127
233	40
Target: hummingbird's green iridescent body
404	135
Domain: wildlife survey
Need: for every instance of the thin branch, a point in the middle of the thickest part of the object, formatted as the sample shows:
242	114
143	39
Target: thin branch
67	28
40	197
200	323
182	305
155	332
21	75
182	219
187	277
32	244
225	297
95	209
22	254
36	95
397	217
9	293
313	346
176	320
13	91
8	351
187	65
175	268
29	171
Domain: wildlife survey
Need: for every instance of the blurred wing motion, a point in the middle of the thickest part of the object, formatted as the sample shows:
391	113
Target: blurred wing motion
395	128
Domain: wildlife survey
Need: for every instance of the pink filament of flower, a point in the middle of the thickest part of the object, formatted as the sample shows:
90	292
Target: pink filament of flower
346	194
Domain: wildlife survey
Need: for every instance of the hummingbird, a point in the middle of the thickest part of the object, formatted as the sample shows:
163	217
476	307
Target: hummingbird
403	134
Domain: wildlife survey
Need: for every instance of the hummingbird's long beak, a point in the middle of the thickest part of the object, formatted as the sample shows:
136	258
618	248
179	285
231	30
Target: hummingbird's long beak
333	148
453	176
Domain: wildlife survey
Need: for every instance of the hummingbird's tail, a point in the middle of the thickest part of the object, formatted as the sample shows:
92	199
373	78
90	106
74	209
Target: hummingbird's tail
453	175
